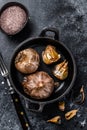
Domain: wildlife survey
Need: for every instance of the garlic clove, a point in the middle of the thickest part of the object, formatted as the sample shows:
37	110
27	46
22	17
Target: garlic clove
69	115
61	105
50	55
56	119
61	70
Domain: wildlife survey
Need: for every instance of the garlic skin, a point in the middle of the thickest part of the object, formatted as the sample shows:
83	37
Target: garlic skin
50	55
69	115
61	70
61	105
81	97
27	61
38	85
56	120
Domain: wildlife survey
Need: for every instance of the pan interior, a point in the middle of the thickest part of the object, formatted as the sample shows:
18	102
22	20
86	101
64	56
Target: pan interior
39	44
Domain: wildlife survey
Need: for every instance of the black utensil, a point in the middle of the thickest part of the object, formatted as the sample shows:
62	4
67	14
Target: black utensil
16	99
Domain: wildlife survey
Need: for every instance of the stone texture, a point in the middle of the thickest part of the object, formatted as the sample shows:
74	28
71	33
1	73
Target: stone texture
70	17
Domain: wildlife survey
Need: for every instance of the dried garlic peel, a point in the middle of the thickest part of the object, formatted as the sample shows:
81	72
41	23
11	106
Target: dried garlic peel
81	90
56	119
71	114
61	106
83	95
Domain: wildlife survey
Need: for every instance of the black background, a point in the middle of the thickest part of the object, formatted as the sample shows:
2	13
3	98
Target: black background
70	17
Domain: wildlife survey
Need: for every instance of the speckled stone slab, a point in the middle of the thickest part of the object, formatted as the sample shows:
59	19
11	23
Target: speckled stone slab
70	17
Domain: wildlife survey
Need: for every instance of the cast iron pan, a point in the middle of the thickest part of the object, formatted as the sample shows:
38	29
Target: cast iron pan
39	44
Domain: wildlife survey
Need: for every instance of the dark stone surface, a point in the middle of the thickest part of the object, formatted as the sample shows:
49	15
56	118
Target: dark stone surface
70	17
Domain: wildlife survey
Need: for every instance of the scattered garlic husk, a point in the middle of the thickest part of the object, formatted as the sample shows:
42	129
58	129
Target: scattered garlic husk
69	115
80	99
61	70
50	55
56	84
61	105
56	120
83	94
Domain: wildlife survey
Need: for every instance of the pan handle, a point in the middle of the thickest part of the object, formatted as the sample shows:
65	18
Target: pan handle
31	106
50	29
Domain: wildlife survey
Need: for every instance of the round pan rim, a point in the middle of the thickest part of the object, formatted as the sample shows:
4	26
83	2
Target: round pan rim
73	78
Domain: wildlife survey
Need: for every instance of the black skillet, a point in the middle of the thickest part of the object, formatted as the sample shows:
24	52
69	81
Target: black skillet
39	45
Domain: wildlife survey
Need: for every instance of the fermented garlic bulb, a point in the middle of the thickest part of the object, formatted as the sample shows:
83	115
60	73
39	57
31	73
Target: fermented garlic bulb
38	85
27	61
